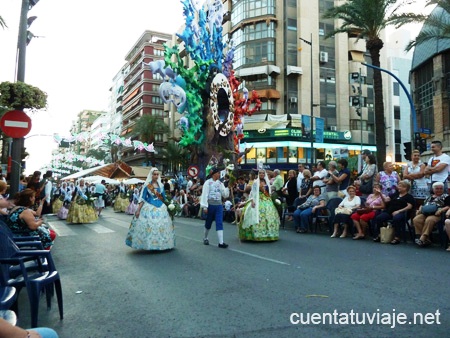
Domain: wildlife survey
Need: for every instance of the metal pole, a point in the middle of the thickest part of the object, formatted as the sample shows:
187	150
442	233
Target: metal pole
312	104
18	143
360	106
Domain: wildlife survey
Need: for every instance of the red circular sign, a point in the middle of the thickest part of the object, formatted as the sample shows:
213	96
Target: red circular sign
193	171
15	124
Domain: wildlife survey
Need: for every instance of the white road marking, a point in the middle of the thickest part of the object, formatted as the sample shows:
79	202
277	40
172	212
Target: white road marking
61	228
240	251
100	229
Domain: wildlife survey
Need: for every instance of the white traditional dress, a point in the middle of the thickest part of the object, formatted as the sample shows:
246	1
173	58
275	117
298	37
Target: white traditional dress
154	229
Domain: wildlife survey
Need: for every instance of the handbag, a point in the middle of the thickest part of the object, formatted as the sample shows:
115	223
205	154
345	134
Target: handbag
429	209
366	187
386	234
345	211
363	211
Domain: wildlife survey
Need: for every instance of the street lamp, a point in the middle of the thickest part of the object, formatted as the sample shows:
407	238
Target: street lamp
312	98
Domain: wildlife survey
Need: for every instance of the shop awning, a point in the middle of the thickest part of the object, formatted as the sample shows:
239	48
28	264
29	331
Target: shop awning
357	56
294	70
260	70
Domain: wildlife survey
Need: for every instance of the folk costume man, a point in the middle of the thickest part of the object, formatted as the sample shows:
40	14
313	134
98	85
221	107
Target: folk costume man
211	202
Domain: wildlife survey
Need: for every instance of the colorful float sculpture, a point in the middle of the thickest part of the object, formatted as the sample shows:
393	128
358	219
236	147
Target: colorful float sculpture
207	94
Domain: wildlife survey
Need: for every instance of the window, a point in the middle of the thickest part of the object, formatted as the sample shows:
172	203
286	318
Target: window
397	113
398	136
158	137
396	89
292	24
271	155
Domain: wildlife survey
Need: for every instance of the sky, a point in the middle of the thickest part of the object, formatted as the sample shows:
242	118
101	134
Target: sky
80	47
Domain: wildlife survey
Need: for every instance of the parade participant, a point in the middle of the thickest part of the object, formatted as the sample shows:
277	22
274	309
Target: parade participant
81	211
46	193
261	221
121	202
152	227
132	207
211	202
60	195
99	193
23	221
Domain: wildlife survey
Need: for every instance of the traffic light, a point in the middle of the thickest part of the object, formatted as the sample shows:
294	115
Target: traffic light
420	143
408	150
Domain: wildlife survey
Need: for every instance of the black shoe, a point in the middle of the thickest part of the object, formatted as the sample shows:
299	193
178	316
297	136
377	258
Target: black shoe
206	241
377	239
223	245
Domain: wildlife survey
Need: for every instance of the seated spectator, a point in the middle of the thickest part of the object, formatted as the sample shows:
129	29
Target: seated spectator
23	221
342	213
388	179
375	203
425	220
3	211
228	211
447	228
398	210
306	186
11	331
239	210
304	211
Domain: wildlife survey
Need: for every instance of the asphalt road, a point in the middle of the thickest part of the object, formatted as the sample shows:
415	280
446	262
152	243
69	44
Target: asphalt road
247	290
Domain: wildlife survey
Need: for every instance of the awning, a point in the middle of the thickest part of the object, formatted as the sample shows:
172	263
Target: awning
133	94
260	70
294	70
357	56
268	93
117	170
255	125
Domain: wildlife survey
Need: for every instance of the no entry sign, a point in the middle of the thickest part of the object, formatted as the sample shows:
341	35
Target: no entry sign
193	171
15	124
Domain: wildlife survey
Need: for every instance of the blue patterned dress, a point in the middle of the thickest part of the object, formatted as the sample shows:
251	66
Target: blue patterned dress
153	230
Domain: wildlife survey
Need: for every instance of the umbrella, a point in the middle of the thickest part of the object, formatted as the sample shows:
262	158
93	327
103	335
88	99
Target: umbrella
133	180
95	178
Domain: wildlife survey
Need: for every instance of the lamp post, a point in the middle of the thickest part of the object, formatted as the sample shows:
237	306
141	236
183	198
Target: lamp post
312	98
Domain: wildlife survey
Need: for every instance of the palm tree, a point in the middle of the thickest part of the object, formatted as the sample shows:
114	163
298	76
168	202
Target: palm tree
174	156
2	23
146	128
437	25
366	19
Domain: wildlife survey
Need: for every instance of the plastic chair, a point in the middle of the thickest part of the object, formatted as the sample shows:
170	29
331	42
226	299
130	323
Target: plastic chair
35	281
293	207
8	295
326	213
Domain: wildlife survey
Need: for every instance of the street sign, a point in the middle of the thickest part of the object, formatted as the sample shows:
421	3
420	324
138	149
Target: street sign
15	124
193	171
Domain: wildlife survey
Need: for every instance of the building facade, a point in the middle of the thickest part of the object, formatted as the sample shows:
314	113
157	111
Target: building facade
430	84
140	94
316	83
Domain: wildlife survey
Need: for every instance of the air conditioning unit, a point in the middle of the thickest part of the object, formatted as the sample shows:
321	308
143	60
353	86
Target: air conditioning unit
333	128
323	57
293	99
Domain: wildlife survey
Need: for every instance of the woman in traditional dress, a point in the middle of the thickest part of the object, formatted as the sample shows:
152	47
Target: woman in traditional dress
261	221
132	207
81	210
59	196
64	210
151	227
121	202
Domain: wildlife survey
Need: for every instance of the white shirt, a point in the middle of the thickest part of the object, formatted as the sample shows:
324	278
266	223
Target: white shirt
321	174
435	161
299	181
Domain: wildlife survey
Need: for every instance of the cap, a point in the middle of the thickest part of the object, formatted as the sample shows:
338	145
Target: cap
214	170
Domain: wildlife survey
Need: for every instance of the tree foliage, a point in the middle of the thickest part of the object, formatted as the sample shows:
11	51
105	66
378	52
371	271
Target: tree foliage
2	23
436	25
174	155
366	19
19	95
146	128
